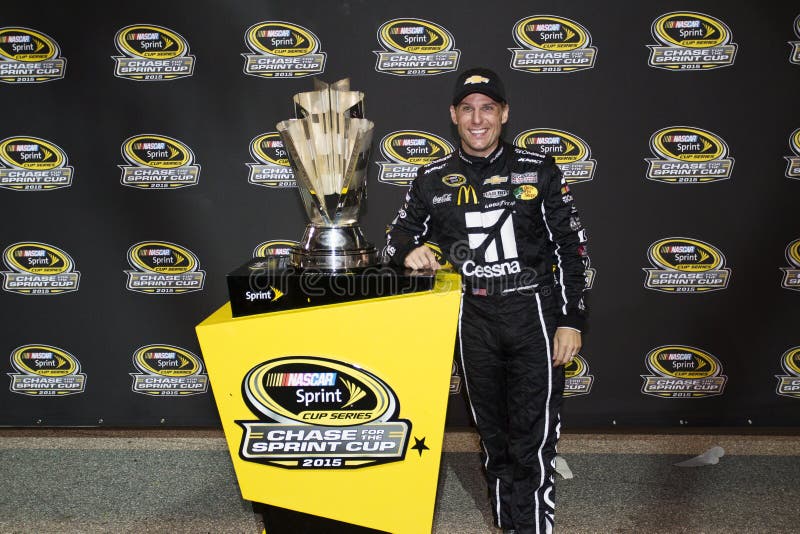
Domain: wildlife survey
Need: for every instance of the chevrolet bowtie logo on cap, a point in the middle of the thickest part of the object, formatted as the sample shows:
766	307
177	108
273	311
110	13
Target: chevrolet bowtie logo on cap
476	79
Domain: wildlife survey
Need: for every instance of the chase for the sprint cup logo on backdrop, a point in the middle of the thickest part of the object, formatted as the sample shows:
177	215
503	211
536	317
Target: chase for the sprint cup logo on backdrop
571	153
45	371
793	166
688	155
151	53
39	269
168	371
158	162
163	268
415	47
282	50
683	372
405	151
789	382
791	274
577	380
686	265
29	56
321	413
30	163
272	168
794	55
690	41
551	44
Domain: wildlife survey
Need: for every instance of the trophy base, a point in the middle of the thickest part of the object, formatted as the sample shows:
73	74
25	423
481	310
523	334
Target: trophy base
333	248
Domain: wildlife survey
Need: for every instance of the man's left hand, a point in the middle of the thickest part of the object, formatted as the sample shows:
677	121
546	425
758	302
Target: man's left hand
566	344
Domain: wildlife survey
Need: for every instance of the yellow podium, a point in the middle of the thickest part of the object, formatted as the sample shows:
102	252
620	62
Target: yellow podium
338	410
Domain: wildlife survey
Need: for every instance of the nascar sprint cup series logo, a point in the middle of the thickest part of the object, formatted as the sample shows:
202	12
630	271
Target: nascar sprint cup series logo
28	56
273	169
791	275
794	57
33	164
577	380
282	50
320	413
685	265
690	41
551	44
415	47
44	370
679	372
163	268
151	53
793	168
166	370
158	162
406	151
789	383
688	155
572	154
39	269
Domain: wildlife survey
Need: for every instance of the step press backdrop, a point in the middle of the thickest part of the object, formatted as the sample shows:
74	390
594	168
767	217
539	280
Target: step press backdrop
140	165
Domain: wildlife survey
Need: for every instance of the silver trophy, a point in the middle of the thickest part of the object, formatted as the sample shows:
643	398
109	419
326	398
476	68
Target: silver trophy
328	145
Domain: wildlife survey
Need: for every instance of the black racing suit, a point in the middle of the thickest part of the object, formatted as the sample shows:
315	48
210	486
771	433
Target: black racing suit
508	224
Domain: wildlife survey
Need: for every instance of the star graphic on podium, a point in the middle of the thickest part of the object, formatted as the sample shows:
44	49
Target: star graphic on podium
419	445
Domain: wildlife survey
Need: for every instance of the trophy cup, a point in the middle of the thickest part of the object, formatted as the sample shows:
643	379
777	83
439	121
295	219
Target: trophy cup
328	144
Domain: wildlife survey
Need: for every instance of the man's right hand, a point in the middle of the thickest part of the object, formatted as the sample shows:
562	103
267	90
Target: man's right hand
421	257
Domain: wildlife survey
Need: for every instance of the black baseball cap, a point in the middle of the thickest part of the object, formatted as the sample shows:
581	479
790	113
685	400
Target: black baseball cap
479	80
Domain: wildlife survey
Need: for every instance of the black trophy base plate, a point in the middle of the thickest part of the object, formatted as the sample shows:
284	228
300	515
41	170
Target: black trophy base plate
270	284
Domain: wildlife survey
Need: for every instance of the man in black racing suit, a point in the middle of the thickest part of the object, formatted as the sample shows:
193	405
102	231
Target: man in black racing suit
504	217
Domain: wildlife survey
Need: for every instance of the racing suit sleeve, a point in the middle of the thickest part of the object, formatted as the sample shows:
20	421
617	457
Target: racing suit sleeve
409	229
568	238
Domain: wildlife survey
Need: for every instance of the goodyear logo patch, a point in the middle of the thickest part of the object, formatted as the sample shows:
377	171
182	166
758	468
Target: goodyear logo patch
572	154
158	162
405	151
151	53
415	47
791	275
577	380
29	56
168	371
680	372
690	41
272	168
793	167
789	382
33	164
686	265
551	44
794	56
39	269
160	267
45	370
688	155
319	413
282	50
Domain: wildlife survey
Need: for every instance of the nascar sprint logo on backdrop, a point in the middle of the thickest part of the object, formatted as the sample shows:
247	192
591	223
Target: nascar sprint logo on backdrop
577	380
33	164
551	44
151	53
690	41
680	372
272	248
572	154
158	162
163	268
415	47
282	50
39	269
44	370
793	167
794	56
406	151
166	370
28	56
789	384
791	275
685	265
320	413
688	155
273	169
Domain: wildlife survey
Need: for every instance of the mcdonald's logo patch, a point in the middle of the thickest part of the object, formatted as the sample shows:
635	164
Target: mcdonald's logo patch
467	195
